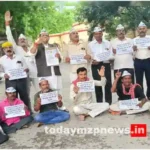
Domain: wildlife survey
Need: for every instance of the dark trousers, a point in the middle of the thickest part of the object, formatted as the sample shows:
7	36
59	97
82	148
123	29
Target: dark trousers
21	86
127	69
143	66
98	89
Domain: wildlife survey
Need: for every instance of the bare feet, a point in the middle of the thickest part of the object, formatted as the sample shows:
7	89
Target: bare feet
39	124
82	117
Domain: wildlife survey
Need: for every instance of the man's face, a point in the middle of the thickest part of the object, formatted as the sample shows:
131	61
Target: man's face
44	85
44	37
120	33
22	42
11	96
98	35
9	51
127	80
142	31
82	75
74	36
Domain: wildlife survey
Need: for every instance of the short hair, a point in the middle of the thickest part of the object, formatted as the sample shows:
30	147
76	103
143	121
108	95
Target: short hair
81	69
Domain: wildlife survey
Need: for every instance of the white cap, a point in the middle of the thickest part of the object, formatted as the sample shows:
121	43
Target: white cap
42	79
126	73
142	24
73	30
21	36
10	90
97	29
43	31
120	27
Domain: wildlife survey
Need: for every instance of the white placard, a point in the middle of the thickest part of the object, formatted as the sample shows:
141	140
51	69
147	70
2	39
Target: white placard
14	111
50	97
87	86
77	59
142	42
17	73
129	104
104	56
51	60
124	48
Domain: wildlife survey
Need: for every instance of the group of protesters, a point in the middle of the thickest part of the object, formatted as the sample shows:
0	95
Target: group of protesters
37	68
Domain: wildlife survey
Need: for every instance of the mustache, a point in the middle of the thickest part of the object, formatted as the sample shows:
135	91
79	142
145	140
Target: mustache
9	51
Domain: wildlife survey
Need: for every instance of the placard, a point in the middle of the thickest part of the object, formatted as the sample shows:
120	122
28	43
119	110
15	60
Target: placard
51	60
48	98
104	56
77	59
17	73
14	111
142	42
129	104
87	86
124	48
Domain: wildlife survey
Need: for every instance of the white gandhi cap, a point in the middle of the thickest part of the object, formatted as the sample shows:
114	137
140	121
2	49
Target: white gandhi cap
142	24
97	29
21	36
10	90
126	73
120	27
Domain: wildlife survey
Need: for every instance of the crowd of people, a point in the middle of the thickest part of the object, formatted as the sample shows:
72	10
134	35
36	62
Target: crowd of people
88	61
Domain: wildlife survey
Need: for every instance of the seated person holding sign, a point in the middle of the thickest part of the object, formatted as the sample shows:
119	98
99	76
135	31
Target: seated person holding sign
48	107
128	91
13	112
83	105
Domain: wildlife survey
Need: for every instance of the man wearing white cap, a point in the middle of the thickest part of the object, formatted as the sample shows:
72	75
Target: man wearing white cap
47	57
128	91
79	49
22	50
123	52
12	121
99	46
142	57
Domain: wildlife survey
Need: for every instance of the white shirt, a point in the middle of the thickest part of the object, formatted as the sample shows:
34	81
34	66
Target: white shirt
100	48
7	64
142	53
124	60
30	60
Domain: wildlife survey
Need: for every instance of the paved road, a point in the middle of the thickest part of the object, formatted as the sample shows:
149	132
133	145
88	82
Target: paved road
34	137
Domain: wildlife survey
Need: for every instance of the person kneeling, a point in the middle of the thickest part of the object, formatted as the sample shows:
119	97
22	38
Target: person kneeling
49	113
83	100
128	91
11	121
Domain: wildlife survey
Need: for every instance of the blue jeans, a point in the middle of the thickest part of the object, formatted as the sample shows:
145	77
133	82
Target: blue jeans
52	117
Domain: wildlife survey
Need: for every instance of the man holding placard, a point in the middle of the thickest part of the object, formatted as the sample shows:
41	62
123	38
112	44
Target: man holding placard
101	54
142	57
47	102
13	112
77	54
14	70
131	96
81	94
123	52
47	58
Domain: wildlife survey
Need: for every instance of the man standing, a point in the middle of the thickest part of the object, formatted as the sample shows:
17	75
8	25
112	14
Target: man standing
79	49
22	50
123	52
46	53
100	46
14	70
142	57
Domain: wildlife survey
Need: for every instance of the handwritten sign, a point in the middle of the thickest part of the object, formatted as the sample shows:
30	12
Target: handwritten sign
50	97
124	48
18	73
87	86
104	56
51	60
129	104
142	42
14	111
77	59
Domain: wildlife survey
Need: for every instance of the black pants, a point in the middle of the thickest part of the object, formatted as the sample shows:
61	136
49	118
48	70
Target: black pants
98	89
127	69
143	66
14	127
21	86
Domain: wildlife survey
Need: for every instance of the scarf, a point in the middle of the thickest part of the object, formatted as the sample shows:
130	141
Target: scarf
131	90
77	80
